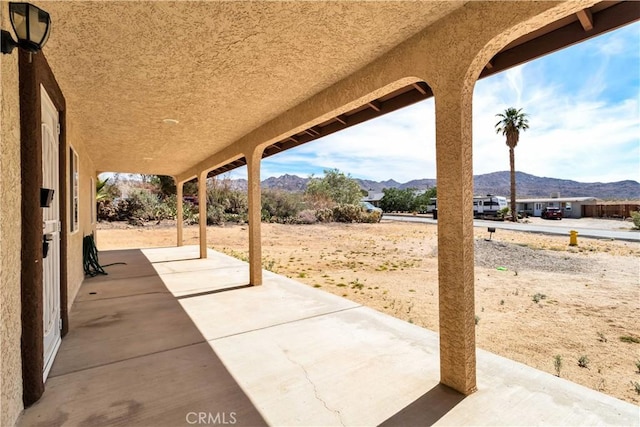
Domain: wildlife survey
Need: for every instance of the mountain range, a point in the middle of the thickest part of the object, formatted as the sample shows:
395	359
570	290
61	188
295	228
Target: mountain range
491	183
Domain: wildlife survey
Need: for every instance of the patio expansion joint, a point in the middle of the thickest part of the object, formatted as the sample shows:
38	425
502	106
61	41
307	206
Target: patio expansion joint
214	291
163	261
285	323
128	359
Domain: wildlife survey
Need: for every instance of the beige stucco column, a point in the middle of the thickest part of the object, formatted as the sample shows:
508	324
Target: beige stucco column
202	218
455	235
179	211
255	217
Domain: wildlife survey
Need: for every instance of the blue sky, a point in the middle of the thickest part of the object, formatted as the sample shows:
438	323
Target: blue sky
584	112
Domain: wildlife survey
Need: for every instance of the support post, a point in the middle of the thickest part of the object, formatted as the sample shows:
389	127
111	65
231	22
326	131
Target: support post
455	236
202	218
179	212
255	217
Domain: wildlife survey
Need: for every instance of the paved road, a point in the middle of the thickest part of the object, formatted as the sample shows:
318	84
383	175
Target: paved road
563	227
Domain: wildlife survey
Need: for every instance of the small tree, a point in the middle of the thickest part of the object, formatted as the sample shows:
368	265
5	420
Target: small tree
165	185
397	200
335	186
635	216
423	200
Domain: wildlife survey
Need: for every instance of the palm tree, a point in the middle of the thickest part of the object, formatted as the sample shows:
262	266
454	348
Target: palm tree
102	189
511	122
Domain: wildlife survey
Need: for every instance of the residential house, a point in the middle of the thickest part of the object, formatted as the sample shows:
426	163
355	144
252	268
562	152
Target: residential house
572	207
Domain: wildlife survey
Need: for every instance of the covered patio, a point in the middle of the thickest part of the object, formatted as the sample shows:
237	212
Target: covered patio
171	339
194	89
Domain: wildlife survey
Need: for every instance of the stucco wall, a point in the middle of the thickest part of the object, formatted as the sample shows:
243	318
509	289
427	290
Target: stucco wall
86	170
10	323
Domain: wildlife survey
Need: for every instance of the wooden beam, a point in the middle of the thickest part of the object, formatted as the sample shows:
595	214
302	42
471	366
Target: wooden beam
586	19
375	105
342	119
315	130
419	88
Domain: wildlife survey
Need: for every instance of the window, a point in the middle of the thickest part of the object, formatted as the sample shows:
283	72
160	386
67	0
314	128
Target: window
73	190
567	206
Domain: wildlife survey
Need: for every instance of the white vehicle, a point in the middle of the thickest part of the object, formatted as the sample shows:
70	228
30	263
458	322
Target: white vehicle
429	208
488	206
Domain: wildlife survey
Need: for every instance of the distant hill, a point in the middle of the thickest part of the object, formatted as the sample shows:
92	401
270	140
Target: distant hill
490	183
534	186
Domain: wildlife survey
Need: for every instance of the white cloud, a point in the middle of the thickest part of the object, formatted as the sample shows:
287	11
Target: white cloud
399	145
572	135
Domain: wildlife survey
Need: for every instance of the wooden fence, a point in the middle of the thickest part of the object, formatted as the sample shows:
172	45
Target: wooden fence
610	210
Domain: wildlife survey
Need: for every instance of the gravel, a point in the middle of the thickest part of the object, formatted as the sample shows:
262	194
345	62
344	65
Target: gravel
514	257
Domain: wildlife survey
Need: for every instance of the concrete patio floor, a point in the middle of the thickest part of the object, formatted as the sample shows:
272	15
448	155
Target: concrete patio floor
169	339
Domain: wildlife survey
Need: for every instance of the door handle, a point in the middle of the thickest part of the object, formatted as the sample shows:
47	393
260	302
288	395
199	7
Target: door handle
46	238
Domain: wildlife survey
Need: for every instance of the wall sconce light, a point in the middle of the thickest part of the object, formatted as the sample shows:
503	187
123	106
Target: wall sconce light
32	26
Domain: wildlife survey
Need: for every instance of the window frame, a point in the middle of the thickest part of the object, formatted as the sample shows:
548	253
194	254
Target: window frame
74	191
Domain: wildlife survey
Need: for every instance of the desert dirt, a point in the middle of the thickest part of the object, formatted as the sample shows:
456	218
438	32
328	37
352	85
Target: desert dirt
588	297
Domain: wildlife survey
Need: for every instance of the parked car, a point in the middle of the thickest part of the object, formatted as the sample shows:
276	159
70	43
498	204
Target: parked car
370	208
552	213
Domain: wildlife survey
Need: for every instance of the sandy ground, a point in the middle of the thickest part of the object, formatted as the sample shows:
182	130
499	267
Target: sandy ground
588	297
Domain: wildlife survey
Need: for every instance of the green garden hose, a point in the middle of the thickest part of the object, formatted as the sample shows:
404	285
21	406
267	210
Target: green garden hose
91	264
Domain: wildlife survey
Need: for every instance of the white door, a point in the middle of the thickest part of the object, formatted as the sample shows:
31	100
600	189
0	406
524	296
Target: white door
537	209
50	232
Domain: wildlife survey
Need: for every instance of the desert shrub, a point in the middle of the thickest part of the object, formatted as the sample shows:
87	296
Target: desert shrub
537	297
281	206
307	216
318	201
347	213
107	210
141	205
324	215
215	215
557	363
371	217
583	361
503	212
635	216
167	208
220	193
190	216
235	217
238	203
224	204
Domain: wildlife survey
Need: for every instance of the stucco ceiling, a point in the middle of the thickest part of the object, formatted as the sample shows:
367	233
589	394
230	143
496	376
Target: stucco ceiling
220	68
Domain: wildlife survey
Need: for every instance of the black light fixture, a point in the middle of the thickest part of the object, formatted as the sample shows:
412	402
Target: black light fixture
32	26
